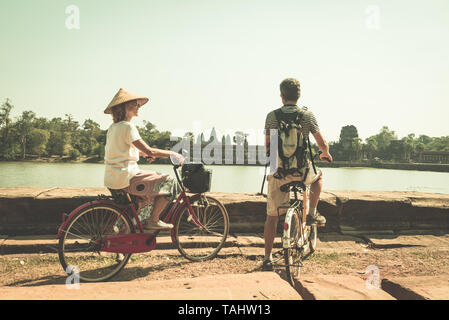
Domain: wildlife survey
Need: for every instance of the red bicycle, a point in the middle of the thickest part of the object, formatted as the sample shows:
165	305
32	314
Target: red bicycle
99	237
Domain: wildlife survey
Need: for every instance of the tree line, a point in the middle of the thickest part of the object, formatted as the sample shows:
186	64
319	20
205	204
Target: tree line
31	136
385	146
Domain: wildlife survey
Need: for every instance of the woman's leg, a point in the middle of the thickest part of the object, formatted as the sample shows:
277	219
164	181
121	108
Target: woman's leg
158	206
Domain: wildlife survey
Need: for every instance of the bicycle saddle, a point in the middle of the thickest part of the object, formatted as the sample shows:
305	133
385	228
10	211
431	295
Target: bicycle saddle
122	197
286	187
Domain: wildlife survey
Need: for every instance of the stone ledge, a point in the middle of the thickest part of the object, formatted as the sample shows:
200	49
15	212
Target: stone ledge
418	288
34	211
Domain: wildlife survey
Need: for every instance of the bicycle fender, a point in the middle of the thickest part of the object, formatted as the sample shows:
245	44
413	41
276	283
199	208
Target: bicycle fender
287	225
68	217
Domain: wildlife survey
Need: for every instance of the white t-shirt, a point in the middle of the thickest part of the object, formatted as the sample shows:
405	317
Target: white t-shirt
121	155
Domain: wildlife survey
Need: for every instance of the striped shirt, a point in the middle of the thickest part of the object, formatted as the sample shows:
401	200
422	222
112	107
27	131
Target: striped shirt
307	122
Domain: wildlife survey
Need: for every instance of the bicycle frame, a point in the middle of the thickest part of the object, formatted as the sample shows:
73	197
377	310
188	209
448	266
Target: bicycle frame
295	203
138	242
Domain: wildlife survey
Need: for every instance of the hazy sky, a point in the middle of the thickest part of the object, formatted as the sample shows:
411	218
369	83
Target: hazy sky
363	62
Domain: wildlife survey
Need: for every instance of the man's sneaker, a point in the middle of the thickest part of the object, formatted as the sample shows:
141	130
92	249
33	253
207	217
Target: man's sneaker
267	265
119	257
160	225
317	219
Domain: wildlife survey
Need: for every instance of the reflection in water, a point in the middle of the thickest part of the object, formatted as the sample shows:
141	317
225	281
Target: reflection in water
239	179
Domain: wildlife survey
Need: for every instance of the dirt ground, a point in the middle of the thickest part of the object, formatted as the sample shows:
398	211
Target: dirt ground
401	256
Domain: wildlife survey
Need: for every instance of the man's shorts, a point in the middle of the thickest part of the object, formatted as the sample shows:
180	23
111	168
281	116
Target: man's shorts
275	196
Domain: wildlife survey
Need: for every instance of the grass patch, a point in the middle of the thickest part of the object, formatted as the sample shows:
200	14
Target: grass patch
321	257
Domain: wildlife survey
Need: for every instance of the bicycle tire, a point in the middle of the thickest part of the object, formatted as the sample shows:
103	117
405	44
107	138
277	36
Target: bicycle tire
313	235
292	251
86	226
193	242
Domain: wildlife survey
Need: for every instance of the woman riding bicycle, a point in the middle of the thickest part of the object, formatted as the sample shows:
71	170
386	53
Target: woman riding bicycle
124	145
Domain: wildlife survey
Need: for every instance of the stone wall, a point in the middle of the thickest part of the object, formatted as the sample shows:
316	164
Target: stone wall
37	211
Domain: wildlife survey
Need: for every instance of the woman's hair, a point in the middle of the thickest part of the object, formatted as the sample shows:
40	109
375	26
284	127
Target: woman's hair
119	112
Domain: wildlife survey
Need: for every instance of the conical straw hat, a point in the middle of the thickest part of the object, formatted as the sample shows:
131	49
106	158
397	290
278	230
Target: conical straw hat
123	96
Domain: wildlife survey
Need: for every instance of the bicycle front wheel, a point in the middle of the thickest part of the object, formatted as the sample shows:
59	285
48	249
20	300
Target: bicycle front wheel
293	253
313	238
201	241
81	240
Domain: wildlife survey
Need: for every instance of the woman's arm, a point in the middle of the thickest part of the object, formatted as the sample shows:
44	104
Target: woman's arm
154	153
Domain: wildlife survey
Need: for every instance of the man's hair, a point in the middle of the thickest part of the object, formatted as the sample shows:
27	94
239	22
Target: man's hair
290	89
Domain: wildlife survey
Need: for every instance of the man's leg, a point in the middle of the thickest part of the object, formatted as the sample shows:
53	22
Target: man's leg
269	234
274	198
315	191
305	203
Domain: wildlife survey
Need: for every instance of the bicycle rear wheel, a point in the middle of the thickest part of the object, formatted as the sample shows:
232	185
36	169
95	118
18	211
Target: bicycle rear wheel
80	243
293	253
192	240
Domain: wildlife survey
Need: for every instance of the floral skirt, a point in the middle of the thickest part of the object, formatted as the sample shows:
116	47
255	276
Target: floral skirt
147	185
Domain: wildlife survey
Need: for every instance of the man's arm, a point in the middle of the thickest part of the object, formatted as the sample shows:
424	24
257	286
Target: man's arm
267	142
324	147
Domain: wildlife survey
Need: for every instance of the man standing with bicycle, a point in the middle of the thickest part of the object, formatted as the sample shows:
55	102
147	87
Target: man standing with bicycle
290	93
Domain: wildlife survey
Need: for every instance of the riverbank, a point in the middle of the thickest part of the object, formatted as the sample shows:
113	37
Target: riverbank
434	167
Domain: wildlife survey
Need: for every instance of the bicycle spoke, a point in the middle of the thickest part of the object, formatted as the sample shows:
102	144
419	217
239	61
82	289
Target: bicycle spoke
201	242
75	235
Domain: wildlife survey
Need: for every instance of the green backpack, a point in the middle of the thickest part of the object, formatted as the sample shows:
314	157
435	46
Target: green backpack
293	147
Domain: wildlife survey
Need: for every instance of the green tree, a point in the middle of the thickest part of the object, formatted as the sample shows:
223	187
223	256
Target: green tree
71	127
41	123
385	137
148	132
88	137
8	146
99	151
347	135
58	143
37	141
371	147
424	139
439	144
357	148
383	140
74	154
409	146
5	120
23	126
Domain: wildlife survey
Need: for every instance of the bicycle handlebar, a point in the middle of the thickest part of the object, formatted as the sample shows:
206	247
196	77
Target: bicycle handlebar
317	157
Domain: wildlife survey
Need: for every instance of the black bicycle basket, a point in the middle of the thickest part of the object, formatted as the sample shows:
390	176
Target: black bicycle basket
196	178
